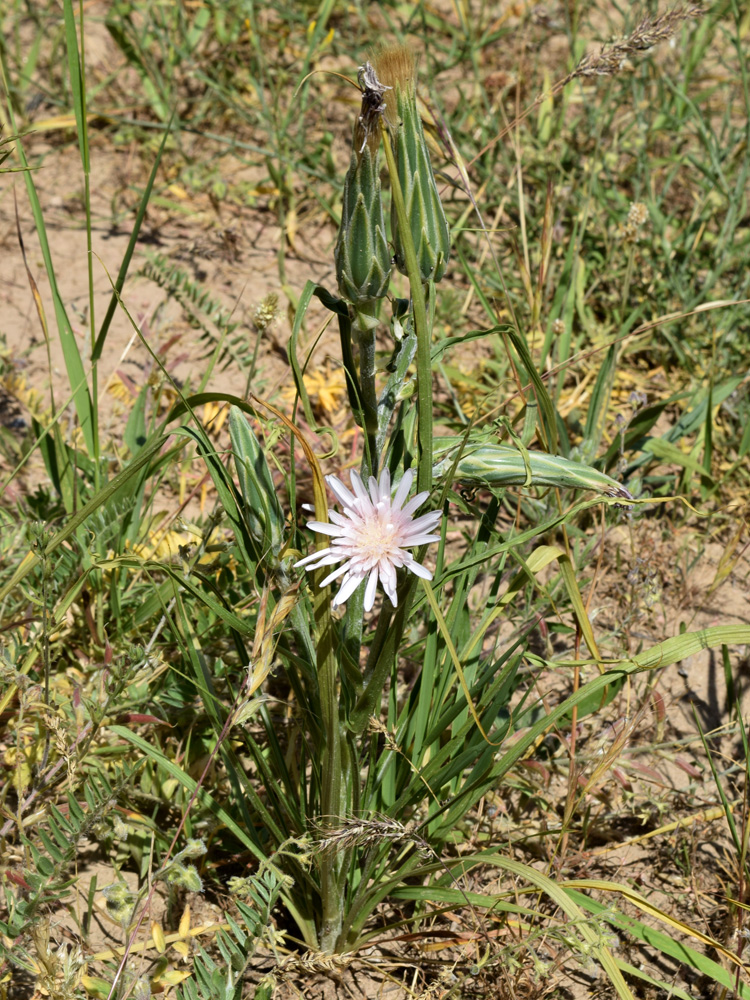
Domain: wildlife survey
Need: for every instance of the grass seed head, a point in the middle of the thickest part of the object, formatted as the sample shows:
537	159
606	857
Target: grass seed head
637	219
370	832
266	312
649	31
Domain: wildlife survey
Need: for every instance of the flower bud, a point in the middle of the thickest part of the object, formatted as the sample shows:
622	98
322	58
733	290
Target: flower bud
120	902
195	848
429	227
185	876
363	260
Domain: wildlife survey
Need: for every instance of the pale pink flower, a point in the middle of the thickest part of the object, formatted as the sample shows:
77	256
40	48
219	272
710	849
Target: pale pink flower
372	535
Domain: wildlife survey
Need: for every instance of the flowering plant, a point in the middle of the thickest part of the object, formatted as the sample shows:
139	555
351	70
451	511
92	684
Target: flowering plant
372	535
355	778
349	748
356	806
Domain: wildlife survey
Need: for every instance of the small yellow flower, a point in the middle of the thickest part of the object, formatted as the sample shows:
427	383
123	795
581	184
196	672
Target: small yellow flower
326	388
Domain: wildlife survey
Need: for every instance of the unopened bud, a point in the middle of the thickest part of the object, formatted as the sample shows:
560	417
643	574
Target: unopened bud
363	260
424	210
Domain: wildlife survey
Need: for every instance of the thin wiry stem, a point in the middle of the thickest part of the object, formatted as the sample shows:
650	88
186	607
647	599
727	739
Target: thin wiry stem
609	60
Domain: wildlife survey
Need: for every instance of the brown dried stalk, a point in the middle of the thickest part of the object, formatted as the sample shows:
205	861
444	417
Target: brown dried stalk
610	59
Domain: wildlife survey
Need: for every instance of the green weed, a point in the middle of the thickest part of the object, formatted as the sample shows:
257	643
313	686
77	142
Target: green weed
568	316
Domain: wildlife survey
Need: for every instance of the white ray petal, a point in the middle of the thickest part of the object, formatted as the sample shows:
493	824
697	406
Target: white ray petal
347	589
403	489
415	502
323	528
372	584
340	491
422	539
419	570
339	571
312	557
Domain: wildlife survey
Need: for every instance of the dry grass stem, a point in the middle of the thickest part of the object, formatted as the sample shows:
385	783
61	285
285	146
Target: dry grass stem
613	57
369	833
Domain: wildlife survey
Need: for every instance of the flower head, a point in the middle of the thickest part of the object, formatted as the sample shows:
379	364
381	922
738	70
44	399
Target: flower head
362	255
430	232
371	536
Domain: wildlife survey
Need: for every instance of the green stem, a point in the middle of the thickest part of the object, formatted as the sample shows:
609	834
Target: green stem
390	628
330	889
421	325
365	324
90	257
331	764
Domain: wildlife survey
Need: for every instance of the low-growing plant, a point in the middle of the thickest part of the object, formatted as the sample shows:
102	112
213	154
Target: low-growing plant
336	741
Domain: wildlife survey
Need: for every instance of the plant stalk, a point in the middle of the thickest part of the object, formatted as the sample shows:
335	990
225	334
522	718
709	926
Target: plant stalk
332	767
421	325
364	326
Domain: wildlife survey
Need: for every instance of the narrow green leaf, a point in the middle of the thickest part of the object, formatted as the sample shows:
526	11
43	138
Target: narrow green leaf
50	846
675	949
190	784
76	82
71	355
671	453
596	416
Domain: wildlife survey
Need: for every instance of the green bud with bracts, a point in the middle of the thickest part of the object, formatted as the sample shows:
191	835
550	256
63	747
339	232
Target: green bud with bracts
362	256
429	227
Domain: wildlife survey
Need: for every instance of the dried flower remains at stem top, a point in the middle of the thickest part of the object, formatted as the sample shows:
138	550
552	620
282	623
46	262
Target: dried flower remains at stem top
374	104
395	68
362	256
